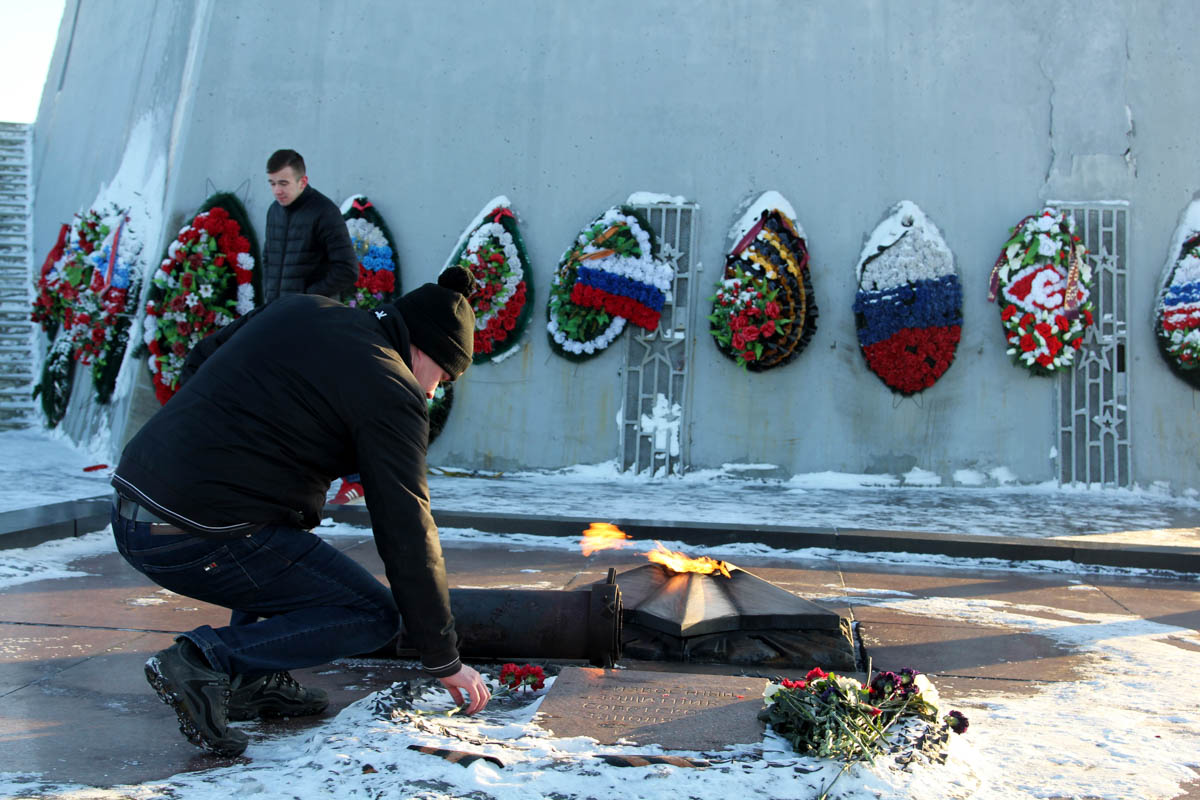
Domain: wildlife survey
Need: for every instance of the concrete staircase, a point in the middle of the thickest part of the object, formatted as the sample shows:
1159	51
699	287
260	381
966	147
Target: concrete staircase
16	276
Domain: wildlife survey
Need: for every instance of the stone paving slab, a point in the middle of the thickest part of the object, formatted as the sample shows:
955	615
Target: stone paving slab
1055	591
895	640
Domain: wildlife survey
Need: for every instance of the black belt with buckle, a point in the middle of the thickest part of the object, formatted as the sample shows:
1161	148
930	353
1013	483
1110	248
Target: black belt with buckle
128	509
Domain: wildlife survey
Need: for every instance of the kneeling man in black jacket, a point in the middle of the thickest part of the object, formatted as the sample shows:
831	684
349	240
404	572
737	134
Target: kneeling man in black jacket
217	494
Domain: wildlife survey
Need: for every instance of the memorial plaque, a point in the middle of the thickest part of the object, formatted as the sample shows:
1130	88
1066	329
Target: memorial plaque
674	710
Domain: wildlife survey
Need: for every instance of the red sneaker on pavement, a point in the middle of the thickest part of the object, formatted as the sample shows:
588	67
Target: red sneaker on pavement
348	494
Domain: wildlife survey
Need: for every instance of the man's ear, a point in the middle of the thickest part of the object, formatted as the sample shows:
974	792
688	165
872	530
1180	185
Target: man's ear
303	181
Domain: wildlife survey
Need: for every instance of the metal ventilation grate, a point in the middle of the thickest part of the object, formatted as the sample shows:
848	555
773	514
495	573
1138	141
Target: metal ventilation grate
654	414
1093	398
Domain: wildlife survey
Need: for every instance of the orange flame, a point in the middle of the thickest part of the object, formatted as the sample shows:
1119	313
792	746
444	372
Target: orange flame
678	562
602	536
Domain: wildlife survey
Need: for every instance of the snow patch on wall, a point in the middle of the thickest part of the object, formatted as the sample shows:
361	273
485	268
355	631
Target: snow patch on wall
921	477
969	477
662	424
1002	475
766	201
655	198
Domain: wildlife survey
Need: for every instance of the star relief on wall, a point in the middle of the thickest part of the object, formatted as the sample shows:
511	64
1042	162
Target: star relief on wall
670	253
1107	423
1106	261
1092	356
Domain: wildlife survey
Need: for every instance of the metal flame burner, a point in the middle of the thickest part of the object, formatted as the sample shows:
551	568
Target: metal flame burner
741	619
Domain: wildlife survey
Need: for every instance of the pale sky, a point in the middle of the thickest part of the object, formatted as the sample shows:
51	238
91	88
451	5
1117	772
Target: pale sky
28	30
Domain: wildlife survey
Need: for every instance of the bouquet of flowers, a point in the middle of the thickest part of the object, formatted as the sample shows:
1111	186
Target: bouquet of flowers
610	275
378	280
746	314
764	312
834	716
908	309
1177	314
1044	279
529	677
205	281
492	250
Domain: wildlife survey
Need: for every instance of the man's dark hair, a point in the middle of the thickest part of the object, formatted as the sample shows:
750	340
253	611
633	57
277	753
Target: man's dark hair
286	158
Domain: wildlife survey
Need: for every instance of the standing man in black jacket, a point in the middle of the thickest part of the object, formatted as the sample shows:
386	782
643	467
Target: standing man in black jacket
218	492
308	248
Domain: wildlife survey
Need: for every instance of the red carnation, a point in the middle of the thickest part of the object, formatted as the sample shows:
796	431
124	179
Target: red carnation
1008	313
1028	344
749	355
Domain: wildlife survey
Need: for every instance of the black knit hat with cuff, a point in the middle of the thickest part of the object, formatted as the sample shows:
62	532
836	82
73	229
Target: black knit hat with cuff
440	320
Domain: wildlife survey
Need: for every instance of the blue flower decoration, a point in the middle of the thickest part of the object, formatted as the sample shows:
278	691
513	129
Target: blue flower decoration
920	304
377	258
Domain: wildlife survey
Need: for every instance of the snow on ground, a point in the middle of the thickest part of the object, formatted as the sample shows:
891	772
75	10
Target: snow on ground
748	494
39	467
1127	729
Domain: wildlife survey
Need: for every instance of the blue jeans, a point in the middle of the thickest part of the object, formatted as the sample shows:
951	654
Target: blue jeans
296	600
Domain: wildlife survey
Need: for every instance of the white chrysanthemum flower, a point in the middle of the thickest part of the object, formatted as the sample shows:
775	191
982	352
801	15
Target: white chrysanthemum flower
245	299
1047	246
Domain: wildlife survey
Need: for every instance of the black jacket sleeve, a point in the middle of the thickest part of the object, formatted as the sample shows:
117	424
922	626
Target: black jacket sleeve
391	459
341	269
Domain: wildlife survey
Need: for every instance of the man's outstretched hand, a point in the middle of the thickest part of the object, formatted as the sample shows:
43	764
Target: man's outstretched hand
470	681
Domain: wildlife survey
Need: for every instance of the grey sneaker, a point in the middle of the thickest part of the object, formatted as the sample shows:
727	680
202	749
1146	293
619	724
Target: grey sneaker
277	695
199	696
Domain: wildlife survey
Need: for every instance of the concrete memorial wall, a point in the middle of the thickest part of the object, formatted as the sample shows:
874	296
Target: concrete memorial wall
979	113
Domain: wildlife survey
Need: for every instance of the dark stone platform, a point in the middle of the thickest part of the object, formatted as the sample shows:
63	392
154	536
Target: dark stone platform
677	711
